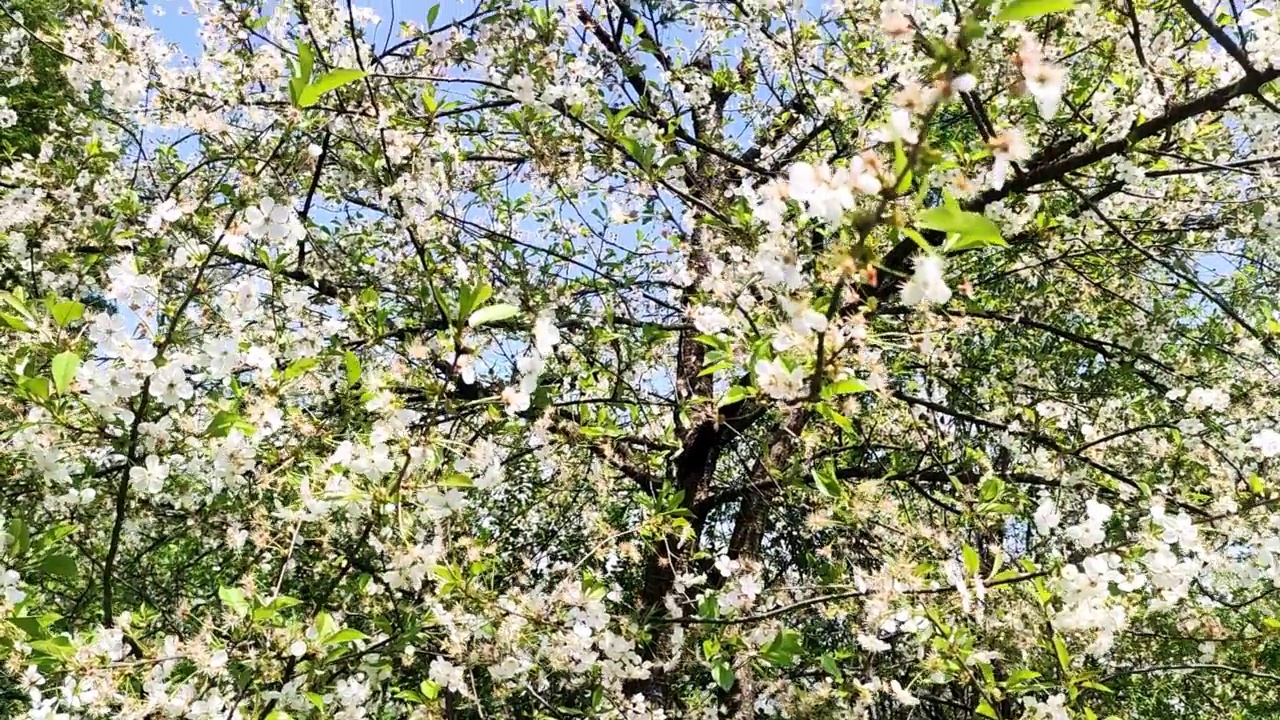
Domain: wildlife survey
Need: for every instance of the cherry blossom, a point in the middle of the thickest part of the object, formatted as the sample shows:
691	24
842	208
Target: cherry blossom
927	285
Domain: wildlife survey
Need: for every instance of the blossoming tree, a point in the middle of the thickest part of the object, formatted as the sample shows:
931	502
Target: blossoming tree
642	359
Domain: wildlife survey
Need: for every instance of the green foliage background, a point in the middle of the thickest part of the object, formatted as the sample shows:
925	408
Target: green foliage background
39	93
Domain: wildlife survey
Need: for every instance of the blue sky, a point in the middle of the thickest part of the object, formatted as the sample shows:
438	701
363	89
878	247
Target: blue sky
175	20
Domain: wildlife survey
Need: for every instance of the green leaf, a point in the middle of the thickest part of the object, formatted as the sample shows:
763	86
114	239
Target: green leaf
991	488
306	61
18	301
848	386
226	421
432	13
21	536
61	565
900	168
716	367
298	367
709	607
316	699
222	423
58	646
710	647
325	625
1020	676
723	674
829	664
410	695
830	414
352	364
327	82
471	297
264	613
29	625
826	481
345	635
782	649
958	243
492	313
1097	686
67	312
1060	647
971	560
985	710
734	394
274	607
459	480
37	386
917	238
64	370
55	533
234	599
1026	9
302	68
280	602
15	322
974	230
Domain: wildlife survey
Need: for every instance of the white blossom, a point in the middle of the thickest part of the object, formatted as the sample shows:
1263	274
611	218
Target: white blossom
927	285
